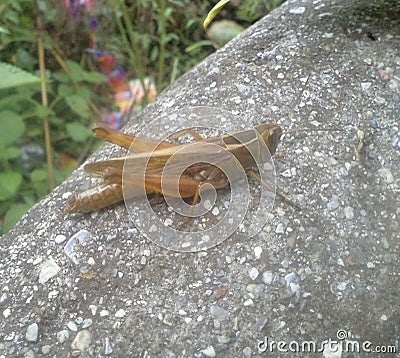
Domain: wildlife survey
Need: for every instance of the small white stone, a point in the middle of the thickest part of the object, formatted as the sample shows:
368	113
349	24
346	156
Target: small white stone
365	86
82	341
209	351
215	211
66	195
87	322
60	239
248	302
383	317
146	252
7	313
72	326
120	313
253	273
297	10
287	173
285	263
267	277
91	261
257	252
247	352
62	336
93	309
168	222
370	264
38	260
32	333
386	175
48	270
290	277
53	294
348	212
108	346
104	313
334	203
295	288
46	349
279	229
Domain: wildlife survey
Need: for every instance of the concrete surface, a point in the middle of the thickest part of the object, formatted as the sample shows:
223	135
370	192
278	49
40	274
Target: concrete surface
331	269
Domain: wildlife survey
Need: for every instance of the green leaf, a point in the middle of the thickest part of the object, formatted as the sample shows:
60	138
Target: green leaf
78	105
41	111
64	90
197	45
76	71
11	127
214	11
4	30
83	92
61	77
14	213
9	153
39	175
9	184
94	77
12	76
40	182
78	132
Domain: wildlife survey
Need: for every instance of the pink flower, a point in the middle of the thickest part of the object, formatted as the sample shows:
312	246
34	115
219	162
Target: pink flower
74	6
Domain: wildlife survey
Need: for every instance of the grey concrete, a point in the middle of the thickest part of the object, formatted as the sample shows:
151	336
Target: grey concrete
308	274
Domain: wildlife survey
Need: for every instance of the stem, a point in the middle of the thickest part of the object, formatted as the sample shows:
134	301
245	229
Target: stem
46	126
174	72
162	34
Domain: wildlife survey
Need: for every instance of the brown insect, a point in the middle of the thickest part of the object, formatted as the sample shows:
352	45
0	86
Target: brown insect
240	144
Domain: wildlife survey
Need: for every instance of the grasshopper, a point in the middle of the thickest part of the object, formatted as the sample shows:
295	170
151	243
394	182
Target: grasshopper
110	191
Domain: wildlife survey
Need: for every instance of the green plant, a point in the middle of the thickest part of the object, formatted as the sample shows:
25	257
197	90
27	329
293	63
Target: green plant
43	114
153	36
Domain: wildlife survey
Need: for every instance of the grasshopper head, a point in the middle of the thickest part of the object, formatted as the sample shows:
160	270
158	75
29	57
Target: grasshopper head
271	134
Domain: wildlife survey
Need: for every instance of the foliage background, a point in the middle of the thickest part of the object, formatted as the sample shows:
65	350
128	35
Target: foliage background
161	39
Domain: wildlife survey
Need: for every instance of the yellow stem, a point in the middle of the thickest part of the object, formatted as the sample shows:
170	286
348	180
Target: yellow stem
46	125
